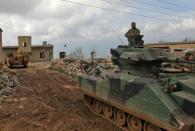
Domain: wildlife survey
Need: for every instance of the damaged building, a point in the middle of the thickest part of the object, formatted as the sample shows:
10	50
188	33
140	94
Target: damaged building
37	53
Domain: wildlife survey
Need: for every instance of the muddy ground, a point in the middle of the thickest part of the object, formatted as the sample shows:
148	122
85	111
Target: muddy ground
46	100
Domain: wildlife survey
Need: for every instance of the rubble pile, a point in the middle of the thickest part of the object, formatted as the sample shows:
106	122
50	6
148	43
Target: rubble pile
70	67
8	81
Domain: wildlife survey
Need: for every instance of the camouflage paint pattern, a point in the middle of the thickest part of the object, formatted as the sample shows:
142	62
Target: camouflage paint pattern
135	90
142	95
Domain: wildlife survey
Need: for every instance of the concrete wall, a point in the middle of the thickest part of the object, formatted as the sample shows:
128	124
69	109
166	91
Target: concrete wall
40	54
35	55
7	52
24	43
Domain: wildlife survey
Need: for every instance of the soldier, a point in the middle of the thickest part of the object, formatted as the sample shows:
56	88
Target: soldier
133	31
133	36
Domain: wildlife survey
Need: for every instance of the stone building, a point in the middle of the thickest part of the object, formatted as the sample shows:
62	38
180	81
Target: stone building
37	53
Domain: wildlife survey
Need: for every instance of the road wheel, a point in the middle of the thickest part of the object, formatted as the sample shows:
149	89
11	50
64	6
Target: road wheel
134	123
151	127
98	106
108	110
11	66
120	117
25	65
89	100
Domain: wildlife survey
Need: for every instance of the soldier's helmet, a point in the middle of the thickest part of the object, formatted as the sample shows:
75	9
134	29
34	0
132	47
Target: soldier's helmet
133	24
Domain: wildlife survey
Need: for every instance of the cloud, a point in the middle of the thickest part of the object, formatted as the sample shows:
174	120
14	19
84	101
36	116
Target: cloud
55	19
17	6
151	28
185	25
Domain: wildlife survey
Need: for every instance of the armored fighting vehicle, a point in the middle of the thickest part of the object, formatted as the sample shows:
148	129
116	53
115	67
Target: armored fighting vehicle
21	59
144	90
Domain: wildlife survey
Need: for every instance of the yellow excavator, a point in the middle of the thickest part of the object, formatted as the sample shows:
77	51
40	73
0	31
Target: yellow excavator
21	59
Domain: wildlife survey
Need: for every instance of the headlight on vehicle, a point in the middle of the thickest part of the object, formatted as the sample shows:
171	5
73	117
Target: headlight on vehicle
171	87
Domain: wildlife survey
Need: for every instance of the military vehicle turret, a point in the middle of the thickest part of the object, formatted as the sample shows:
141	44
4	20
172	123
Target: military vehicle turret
144	90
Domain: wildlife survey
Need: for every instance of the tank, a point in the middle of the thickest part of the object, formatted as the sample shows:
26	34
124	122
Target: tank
145	89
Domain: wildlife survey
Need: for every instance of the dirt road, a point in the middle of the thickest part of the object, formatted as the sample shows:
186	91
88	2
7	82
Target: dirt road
47	101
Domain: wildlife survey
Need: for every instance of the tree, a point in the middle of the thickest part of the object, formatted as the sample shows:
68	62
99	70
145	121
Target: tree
77	54
187	40
161	42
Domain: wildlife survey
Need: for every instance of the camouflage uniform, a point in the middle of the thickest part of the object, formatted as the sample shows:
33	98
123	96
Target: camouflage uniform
131	36
133	32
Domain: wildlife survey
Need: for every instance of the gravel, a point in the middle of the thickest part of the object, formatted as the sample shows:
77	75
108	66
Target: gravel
8	81
70	67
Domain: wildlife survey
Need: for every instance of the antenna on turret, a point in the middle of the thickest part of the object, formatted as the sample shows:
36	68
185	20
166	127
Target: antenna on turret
114	31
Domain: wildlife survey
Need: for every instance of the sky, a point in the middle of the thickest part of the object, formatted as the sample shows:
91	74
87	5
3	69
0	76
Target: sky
63	23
